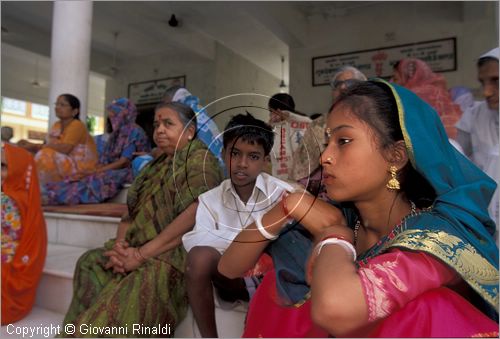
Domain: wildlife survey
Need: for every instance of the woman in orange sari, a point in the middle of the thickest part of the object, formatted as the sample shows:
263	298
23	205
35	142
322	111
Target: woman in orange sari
71	152
24	236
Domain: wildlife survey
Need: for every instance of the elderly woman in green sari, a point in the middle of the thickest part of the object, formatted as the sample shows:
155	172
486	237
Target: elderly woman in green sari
138	277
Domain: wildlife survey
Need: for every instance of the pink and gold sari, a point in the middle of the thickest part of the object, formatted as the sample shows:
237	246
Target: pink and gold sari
414	294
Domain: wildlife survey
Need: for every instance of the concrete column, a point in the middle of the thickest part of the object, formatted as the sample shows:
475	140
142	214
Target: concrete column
70	53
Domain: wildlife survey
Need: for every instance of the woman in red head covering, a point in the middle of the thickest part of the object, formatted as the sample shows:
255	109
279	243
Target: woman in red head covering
417	76
24	235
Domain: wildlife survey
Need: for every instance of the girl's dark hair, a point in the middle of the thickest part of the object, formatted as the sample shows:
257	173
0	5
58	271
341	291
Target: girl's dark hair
73	101
186	114
374	103
250	130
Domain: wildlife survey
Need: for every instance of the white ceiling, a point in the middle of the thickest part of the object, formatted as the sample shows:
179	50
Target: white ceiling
259	31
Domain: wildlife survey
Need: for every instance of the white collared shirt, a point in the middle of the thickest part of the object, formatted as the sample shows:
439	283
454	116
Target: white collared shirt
221	214
481	124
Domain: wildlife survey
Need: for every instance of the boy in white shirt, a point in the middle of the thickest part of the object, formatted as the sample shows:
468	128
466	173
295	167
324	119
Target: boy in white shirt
224	211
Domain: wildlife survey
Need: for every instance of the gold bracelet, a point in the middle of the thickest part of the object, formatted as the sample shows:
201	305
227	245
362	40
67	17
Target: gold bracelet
120	241
138	255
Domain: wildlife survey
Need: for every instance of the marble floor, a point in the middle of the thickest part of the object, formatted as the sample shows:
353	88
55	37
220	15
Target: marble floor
40	323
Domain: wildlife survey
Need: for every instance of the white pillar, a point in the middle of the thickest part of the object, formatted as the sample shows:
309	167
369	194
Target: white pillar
70	53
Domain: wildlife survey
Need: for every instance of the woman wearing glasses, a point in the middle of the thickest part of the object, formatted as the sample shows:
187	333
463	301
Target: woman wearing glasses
70	151
343	78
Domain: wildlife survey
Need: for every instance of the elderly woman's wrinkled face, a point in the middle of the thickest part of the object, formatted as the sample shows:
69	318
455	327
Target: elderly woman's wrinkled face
169	131
341	83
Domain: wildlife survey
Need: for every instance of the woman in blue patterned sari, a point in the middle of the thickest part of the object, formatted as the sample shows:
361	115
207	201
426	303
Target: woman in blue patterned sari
116	150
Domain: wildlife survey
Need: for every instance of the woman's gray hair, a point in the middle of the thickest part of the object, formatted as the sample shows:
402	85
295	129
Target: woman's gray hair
186	114
357	74
170	92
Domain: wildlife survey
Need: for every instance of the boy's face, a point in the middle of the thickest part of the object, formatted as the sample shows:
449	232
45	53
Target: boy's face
244	162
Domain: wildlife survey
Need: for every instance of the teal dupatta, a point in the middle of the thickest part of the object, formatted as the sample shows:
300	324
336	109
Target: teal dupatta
457	228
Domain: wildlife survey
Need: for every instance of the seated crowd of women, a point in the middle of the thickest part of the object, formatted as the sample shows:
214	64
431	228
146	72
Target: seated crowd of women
344	267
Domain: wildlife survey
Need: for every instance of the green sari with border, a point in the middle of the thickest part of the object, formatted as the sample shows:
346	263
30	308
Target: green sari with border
153	294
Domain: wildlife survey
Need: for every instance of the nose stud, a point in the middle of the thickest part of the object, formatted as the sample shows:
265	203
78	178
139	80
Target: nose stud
327	160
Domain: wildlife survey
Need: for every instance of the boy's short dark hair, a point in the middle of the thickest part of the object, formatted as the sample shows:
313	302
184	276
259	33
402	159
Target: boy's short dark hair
250	130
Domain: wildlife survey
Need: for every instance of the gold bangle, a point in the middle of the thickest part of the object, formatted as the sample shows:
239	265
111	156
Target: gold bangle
120	241
138	255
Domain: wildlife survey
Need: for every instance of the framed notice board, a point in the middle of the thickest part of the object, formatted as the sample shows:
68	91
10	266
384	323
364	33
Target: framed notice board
150	92
440	55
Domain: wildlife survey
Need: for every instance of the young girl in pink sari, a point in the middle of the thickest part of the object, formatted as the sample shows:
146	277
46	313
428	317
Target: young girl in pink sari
410	253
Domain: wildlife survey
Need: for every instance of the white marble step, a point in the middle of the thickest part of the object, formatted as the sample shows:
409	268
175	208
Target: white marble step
39	323
80	230
121	197
71	235
56	290
230	322
56	286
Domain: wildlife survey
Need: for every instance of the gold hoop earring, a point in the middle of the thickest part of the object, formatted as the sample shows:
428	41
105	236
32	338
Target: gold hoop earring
393	183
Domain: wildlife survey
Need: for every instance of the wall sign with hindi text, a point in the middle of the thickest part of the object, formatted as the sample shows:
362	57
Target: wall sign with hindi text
150	92
440	55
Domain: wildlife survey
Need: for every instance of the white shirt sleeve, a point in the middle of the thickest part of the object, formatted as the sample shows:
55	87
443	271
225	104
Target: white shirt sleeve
464	126
467	120
204	232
